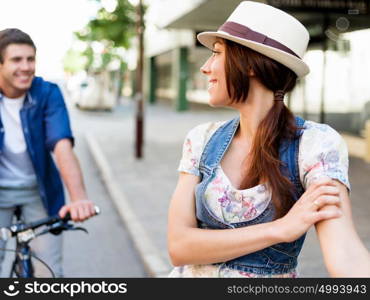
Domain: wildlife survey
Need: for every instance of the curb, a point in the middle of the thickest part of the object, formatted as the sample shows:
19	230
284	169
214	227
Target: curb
154	263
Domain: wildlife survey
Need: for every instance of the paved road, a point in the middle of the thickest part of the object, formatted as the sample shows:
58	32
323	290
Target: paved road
107	251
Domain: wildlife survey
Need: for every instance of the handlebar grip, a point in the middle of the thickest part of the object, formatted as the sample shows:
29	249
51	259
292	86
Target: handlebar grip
67	217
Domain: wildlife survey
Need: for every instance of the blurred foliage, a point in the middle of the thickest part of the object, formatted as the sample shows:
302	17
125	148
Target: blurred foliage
74	61
113	29
89	55
106	37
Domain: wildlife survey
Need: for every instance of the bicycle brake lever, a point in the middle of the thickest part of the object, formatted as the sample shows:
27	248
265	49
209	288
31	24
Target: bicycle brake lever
80	228
66	226
59	227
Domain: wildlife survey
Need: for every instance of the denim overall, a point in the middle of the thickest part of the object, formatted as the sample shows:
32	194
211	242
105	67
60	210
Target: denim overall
277	259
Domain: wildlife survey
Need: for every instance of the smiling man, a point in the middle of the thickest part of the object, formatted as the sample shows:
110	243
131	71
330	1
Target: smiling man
34	123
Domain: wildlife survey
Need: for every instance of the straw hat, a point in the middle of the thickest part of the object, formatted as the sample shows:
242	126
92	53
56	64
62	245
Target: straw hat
267	30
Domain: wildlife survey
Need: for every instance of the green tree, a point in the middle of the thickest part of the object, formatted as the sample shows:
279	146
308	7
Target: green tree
74	61
113	27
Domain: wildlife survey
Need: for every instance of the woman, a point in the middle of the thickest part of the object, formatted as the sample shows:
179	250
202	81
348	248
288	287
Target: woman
250	188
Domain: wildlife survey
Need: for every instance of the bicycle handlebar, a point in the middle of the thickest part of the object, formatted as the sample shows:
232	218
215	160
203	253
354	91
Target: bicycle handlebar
54	219
15	229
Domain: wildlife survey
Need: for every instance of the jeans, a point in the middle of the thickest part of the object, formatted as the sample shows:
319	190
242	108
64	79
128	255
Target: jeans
47	247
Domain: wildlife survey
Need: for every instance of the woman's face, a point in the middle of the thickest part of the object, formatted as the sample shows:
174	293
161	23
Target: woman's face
214	68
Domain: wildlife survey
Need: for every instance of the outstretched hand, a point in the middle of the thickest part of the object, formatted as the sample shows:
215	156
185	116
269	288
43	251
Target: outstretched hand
308	209
80	210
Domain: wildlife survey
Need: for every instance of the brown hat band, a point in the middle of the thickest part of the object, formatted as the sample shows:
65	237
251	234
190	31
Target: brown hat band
244	32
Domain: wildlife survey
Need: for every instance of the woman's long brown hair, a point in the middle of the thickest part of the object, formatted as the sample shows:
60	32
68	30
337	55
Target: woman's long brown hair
264	162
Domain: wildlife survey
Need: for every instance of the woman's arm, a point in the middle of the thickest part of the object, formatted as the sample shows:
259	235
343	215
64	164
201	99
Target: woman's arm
191	245
344	253
188	244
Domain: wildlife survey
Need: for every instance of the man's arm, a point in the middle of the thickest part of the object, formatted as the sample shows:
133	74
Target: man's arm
344	253
79	207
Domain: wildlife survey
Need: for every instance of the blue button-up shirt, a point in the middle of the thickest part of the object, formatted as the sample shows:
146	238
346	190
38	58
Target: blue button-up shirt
45	121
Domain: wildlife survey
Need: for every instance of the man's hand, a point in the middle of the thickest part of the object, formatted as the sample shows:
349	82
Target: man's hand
80	210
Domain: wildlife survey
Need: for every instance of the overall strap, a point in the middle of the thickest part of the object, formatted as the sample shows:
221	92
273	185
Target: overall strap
288	153
217	145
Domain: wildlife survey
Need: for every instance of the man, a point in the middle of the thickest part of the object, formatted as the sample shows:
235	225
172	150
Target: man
33	123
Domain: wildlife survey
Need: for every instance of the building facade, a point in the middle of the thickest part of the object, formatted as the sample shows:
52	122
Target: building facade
337	90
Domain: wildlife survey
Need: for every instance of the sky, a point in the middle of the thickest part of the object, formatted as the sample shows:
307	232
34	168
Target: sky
51	24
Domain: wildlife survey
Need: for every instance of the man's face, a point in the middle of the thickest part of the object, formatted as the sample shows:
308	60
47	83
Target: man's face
17	69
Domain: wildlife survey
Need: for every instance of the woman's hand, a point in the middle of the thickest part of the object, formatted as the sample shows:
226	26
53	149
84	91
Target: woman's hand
307	210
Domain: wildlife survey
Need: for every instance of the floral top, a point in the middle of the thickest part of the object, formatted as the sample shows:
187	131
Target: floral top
322	152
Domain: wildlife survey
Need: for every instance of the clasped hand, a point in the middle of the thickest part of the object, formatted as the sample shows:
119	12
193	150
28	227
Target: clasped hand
308	209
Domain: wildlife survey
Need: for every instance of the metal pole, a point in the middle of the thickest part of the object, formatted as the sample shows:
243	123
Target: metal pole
139	85
323	82
304	108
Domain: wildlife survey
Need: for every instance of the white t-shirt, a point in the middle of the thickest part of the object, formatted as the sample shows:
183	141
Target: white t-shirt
16	169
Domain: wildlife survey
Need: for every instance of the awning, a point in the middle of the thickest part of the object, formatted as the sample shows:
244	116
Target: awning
341	15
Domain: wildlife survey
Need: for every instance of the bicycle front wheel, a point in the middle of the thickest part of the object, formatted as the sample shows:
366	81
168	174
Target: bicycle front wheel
40	268
31	268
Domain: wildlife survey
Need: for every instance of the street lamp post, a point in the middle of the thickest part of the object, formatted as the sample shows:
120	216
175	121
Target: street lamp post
139	85
325	54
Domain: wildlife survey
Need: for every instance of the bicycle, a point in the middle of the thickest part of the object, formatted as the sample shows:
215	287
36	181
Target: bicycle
22	266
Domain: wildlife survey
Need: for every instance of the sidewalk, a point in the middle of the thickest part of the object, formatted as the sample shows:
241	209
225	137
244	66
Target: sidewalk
141	189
